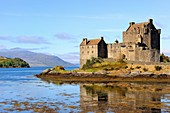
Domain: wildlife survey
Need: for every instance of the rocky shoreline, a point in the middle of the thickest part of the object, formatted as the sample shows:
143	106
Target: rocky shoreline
102	76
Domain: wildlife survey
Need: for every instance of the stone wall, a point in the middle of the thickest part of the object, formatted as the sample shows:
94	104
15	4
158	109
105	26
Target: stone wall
87	52
114	51
147	55
132	52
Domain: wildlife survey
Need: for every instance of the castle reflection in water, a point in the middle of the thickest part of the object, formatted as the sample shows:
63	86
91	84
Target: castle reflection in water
125	97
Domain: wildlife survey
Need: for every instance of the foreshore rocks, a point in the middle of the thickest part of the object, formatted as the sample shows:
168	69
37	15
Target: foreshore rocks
101	73
70	74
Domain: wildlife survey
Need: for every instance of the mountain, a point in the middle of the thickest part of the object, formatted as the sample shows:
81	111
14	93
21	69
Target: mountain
34	59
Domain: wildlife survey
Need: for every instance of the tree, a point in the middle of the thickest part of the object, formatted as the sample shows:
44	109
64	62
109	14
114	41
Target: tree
164	58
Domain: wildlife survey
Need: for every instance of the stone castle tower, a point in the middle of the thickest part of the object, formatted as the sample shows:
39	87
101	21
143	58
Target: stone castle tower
141	43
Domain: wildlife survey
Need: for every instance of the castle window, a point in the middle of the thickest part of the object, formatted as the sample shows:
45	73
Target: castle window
92	46
82	52
87	51
138	31
87	46
145	30
134	29
92	51
82	47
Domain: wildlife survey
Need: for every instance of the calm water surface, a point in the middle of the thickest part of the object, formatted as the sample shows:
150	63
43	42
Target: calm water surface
20	91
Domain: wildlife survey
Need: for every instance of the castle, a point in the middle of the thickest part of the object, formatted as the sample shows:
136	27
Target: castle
141	43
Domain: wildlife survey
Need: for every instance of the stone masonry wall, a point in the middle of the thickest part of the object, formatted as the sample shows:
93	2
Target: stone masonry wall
87	52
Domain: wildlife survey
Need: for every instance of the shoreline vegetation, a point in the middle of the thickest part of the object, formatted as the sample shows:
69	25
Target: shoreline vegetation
97	70
13	63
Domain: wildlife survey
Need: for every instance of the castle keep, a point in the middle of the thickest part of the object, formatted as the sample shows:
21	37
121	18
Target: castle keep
141	43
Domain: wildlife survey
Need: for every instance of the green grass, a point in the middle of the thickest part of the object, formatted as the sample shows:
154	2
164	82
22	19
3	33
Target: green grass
60	69
108	66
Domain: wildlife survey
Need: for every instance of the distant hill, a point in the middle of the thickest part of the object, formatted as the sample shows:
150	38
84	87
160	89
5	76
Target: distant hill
34	59
13	63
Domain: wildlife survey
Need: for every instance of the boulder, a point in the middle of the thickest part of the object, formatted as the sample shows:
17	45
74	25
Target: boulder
147	74
134	73
52	72
167	73
102	72
46	71
58	68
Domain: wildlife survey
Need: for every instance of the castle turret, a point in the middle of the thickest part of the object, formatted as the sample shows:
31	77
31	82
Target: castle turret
85	40
131	23
151	21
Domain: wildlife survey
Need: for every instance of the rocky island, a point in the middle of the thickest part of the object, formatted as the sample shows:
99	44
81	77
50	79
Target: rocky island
13	63
100	71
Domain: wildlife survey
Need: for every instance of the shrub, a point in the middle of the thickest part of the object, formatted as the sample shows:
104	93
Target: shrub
16	62
158	68
138	67
131	68
164	58
124	67
121	61
58	68
89	63
145	69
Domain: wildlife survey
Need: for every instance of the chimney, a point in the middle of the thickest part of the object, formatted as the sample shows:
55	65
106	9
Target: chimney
85	39
151	21
101	38
131	23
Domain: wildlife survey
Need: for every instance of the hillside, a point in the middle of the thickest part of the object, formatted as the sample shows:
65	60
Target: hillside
12	63
34	59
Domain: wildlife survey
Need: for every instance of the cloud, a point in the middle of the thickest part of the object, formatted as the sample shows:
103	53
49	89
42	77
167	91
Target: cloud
5	38
165	38
166	52
72	57
67	37
25	39
158	24
34	49
77	46
31	40
2	47
64	36
29	49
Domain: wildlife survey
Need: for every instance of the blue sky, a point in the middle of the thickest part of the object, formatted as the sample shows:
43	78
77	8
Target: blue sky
57	27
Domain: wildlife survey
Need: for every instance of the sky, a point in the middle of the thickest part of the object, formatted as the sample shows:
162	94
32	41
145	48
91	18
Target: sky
57	27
